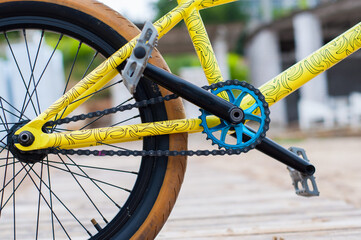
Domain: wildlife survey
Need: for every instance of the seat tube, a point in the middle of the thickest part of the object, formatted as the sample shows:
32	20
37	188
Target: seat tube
203	46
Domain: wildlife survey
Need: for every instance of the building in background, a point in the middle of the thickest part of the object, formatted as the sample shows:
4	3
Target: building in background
278	34
274	44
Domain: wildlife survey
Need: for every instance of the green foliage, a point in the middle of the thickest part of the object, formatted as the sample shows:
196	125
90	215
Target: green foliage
238	68
164	6
232	12
71	49
176	62
78	58
303	4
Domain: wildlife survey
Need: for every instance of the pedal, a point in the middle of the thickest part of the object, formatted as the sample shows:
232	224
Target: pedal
304	185
138	60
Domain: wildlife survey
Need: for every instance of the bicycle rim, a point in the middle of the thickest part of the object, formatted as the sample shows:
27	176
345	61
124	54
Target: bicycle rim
120	201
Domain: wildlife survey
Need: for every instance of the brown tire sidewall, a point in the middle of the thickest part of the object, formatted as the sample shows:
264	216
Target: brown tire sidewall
176	166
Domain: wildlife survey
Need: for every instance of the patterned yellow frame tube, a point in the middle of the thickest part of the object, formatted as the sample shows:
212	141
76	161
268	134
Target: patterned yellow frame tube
274	90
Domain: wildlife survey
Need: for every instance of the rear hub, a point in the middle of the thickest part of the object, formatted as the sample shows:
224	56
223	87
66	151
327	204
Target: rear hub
25	139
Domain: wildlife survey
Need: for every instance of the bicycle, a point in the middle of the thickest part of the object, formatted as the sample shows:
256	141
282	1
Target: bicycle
135	201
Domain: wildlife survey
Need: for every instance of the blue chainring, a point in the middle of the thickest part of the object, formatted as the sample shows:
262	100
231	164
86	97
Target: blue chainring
256	115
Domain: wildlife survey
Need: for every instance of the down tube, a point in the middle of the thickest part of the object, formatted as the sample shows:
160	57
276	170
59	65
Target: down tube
313	65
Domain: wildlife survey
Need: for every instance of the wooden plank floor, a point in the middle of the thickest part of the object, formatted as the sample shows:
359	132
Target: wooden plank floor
251	197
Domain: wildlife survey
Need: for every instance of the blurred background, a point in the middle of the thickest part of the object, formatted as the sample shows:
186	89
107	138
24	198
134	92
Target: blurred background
254	40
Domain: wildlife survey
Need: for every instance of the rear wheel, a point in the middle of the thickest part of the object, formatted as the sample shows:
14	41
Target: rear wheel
46	46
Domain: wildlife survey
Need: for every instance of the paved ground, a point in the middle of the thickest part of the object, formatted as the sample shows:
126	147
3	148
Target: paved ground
251	196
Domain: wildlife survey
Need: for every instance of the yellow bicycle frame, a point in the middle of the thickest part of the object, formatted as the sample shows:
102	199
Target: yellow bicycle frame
187	10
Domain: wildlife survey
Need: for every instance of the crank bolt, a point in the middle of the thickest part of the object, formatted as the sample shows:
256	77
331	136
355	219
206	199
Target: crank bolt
236	115
26	138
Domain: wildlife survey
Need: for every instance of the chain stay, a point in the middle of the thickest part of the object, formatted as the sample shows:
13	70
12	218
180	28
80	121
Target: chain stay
143	103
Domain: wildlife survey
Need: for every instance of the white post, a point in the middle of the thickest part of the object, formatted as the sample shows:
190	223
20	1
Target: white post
197	77
264	57
308	38
221	51
49	84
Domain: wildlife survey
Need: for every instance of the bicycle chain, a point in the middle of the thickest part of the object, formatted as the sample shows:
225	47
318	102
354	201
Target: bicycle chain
145	103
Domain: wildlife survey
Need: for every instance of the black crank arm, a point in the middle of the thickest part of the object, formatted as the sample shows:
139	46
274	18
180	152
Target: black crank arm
194	94
276	151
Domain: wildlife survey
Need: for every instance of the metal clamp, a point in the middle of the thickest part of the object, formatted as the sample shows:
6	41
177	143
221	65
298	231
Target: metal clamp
300	181
137	62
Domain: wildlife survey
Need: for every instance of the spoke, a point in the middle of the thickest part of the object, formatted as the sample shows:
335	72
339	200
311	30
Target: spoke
93	167
51	200
126	120
43	197
2	141
8	164
93	183
224	133
117	147
39	198
43	72
61	202
32	67
14	201
72	67
6	130
126	101
11	180
4	121
59	130
88	94
21	75
19	117
68	79
9	198
94	179
82	188
92	122
10	112
4	148
91	94
91	62
239	132
240	98
2	194
253	118
9	123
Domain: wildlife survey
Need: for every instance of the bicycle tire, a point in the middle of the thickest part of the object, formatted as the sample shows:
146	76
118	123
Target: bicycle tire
106	30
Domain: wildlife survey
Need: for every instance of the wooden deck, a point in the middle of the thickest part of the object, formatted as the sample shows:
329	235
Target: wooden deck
251	197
